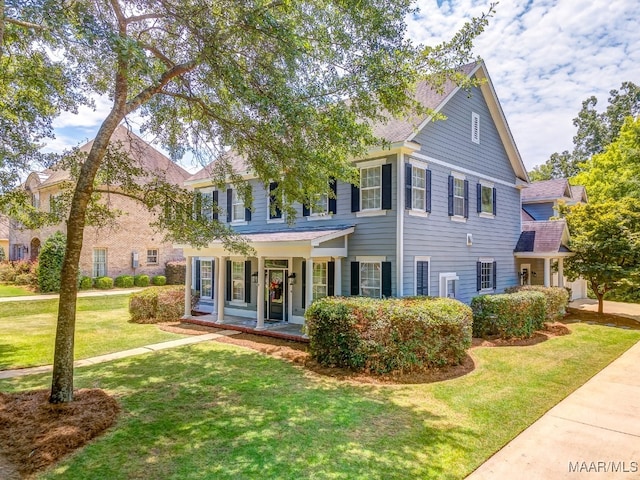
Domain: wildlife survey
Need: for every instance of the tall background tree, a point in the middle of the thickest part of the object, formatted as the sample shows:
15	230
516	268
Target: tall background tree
292	86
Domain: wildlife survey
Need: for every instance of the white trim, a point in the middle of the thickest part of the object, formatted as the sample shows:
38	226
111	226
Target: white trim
275	220
465	170
371	213
372	163
458	218
417	213
372	262
316	217
238	223
447	276
371	258
400	226
416	259
238	303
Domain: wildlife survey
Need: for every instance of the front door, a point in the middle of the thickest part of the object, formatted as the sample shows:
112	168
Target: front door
276	294
525	274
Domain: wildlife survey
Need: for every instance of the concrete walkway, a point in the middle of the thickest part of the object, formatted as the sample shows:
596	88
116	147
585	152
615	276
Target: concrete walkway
629	310
127	353
89	293
593	433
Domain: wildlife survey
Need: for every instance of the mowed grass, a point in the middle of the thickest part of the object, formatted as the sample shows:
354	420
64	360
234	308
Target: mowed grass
28	330
216	411
14	291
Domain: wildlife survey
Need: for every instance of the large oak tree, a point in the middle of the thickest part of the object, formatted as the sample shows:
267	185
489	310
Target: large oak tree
292	86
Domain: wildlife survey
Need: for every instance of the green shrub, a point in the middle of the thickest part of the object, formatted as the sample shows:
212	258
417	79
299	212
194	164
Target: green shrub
104	283
141	280
7	272
85	282
26	279
50	260
513	315
124	281
3	255
156	304
175	272
159	280
556	298
390	335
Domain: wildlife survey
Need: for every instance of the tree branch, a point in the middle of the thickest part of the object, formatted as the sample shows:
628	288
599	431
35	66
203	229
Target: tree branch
21	23
146	16
158	54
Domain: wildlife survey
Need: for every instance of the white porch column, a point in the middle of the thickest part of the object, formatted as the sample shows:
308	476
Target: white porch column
561	272
260	297
547	272
309	282
337	282
221	283
290	292
187	286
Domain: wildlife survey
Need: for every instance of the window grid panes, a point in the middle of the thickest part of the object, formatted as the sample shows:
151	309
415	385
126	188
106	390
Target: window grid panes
237	212
371	188
321	206
458	197
206	278
152	256
487	199
418	188
100	262
237	278
371	279
207	205
486	275
319	280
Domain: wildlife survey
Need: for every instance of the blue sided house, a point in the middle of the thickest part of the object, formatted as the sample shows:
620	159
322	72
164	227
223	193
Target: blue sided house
437	212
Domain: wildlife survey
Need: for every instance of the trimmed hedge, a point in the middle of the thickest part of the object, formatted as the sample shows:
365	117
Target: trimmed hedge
159	280
124	281
50	262
85	283
391	335
557	299
175	272
512	315
141	280
104	283
155	304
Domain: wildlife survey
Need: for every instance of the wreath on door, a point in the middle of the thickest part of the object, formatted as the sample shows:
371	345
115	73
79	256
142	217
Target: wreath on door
275	287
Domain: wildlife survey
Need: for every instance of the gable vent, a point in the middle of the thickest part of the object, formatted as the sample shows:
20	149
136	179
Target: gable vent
475	128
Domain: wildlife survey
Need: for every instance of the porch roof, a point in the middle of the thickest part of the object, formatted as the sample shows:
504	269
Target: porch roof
314	236
543	238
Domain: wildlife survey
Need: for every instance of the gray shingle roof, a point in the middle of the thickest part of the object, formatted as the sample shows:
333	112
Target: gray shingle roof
542	237
547	190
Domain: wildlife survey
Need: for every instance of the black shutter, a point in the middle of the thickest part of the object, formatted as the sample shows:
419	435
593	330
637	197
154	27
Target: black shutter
229	282
466	199
450	196
247	281
331	280
355	198
422	278
408	177
229	204
427	195
247	211
333	202
495	276
355	278
306	211
479	197
214	201
386	186
197	275
272	200
386	279
304	283
478	276
494	200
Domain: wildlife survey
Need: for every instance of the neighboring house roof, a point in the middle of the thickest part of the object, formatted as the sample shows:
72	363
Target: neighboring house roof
144	155
397	130
526	217
4	227
543	237
547	190
579	193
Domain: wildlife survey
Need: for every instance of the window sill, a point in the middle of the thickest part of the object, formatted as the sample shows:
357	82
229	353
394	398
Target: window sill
418	213
459	219
371	213
238	223
275	220
238	303
486	291
314	218
486	215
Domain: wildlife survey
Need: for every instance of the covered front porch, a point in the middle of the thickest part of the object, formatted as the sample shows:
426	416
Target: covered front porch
270	289
283	330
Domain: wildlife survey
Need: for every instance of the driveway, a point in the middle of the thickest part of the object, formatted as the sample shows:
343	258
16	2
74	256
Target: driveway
629	310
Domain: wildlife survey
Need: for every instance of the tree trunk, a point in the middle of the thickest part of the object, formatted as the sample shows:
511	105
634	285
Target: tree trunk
62	381
600	302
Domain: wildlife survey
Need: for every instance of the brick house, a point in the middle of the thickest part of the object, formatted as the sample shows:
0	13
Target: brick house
113	250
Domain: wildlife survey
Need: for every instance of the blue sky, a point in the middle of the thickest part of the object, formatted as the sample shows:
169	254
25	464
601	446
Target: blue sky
544	57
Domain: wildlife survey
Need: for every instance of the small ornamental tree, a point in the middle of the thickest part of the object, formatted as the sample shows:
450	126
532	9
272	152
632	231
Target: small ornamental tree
605	238
50	262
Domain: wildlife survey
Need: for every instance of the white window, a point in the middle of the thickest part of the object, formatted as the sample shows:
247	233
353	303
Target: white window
486	199
418	188
475	128
319	280
237	279
99	262
371	188
206	279
152	256
321	205
206	208
371	279
237	207
458	197
486	274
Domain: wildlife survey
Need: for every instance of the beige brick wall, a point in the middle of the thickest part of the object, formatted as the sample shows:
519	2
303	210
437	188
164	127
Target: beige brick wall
131	232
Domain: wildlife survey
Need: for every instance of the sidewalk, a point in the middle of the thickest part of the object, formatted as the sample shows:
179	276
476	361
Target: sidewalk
90	293
126	353
593	433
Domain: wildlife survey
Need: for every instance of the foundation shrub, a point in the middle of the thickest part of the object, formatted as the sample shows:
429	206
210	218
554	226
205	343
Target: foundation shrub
104	283
175	272
513	315
390	335
159	280
155	304
7	272
141	280
26	279
85	283
124	281
50	262
556	298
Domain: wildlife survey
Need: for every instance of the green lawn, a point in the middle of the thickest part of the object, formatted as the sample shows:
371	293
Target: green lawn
215	411
28	330
13	291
